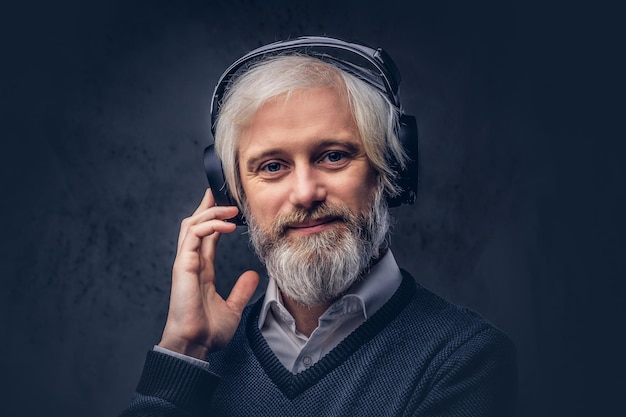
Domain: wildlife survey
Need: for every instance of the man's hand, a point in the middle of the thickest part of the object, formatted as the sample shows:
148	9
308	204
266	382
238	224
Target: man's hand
199	320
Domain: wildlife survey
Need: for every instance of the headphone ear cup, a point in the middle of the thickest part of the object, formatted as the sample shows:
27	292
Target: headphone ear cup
217	183
407	177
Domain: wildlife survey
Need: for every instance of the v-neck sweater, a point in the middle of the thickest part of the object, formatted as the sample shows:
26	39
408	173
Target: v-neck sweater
418	355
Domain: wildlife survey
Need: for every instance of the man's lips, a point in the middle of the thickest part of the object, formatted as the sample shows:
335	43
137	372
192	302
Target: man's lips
312	226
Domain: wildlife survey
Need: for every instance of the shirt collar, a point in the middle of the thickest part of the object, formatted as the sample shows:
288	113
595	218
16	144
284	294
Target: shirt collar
366	296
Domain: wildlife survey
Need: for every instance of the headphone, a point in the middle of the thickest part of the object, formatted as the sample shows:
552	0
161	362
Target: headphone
373	66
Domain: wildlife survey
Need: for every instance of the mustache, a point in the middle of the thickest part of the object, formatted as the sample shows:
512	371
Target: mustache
320	212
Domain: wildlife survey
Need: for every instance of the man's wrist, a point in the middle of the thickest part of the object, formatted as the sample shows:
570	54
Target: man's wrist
184	347
189	359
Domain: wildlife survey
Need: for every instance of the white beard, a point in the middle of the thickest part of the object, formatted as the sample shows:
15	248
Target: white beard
318	268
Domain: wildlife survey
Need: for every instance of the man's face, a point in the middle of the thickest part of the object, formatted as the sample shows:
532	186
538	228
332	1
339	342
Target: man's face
299	152
317	216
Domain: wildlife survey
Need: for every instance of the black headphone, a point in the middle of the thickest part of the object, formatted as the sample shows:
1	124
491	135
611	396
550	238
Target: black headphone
373	66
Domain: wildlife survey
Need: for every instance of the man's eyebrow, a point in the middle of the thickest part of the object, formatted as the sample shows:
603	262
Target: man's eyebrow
267	154
350	146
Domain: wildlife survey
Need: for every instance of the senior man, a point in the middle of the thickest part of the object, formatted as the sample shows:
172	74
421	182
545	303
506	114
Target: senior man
314	148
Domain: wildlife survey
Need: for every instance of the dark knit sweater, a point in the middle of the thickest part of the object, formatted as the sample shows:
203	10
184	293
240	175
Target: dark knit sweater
417	356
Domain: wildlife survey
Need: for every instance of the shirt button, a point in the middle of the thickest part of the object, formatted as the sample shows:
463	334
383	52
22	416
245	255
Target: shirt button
307	361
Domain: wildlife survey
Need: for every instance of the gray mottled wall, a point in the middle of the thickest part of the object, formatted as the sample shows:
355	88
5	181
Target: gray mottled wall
521	195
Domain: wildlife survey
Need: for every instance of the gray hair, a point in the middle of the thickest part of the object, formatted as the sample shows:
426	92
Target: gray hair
375	116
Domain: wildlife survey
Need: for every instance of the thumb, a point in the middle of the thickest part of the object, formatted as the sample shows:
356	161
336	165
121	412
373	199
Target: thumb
243	290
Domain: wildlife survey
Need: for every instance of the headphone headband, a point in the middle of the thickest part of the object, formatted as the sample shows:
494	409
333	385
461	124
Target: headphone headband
374	66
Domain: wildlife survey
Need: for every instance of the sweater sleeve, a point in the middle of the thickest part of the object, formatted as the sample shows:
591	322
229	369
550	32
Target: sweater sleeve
171	387
479	379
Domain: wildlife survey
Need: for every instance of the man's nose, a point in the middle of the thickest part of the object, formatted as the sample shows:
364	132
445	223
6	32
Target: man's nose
307	188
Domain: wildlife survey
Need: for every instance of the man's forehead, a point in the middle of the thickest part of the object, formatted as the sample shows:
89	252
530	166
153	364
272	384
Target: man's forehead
308	117
335	93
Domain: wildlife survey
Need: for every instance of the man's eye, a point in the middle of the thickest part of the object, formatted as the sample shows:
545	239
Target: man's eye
271	167
334	156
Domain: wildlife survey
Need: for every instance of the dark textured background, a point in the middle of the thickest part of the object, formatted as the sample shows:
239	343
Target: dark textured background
520	212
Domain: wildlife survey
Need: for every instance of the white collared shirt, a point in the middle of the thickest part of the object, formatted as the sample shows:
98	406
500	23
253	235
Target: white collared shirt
297	352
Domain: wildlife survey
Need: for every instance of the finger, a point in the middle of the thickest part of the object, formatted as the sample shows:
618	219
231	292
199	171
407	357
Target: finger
243	291
208	246
215	212
196	233
220	213
207	201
